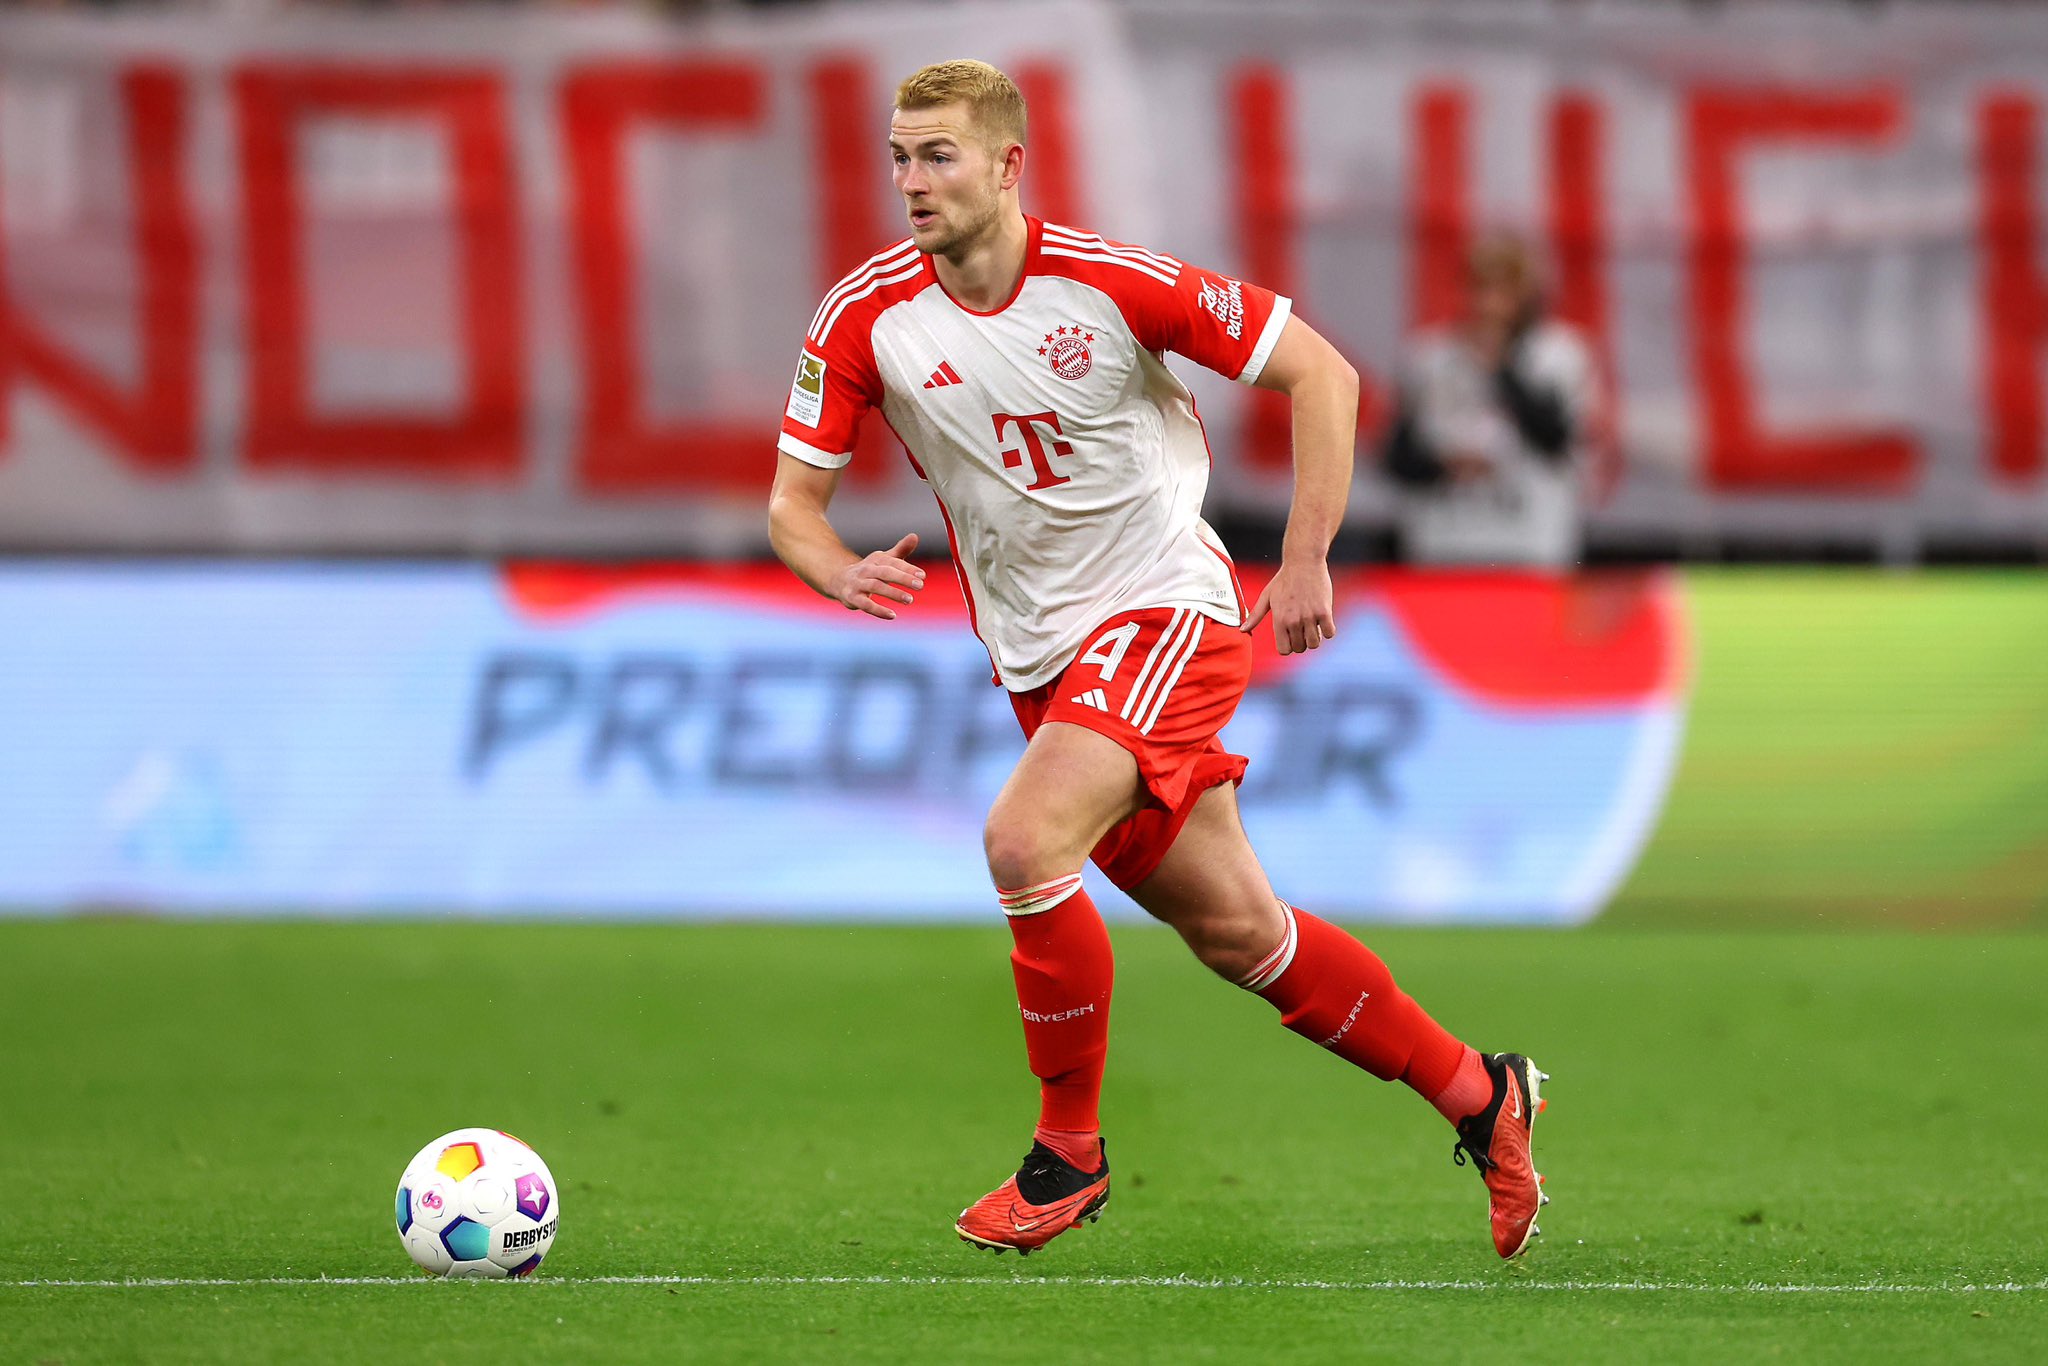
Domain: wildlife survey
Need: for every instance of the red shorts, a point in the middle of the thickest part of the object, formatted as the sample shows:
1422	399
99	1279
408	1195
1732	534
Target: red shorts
1162	683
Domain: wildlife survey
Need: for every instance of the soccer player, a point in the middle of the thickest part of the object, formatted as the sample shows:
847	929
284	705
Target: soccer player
1021	363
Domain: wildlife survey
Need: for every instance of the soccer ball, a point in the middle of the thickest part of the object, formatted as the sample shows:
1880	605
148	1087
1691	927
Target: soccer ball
478	1202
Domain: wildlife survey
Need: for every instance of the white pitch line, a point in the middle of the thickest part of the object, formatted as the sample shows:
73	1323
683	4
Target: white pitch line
1139	1282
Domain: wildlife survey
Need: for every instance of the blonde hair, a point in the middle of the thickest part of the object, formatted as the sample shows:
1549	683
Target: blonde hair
994	104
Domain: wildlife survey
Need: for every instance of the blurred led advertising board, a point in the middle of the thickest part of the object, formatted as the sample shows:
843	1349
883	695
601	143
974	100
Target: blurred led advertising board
212	738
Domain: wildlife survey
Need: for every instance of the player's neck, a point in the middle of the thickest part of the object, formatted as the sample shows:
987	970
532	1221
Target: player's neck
982	274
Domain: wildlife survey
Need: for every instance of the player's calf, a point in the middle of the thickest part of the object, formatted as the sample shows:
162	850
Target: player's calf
1333	990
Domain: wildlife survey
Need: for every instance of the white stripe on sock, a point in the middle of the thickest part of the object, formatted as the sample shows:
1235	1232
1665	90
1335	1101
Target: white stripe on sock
1273	964
1040	899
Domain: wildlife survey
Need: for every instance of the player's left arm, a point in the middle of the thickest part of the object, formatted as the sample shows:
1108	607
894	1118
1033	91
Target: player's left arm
1324	390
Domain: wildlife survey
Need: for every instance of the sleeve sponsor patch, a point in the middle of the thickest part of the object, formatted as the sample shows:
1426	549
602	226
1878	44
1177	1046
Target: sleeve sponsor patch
1225	301
807	393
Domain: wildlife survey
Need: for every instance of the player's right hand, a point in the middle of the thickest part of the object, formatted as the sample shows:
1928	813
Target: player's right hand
870	584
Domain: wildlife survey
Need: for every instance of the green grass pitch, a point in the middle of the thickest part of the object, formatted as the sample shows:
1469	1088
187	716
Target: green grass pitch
1780	1145
1859	749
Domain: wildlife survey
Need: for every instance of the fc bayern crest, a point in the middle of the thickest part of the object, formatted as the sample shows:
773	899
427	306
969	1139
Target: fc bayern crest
1066	350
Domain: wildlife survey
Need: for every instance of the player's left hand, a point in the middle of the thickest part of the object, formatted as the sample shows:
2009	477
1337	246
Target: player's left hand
1302	605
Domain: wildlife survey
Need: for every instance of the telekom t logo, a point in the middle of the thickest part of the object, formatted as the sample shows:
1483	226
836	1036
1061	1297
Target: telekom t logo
1027	425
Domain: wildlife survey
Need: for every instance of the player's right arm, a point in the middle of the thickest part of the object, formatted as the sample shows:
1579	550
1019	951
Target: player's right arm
836	384
805	541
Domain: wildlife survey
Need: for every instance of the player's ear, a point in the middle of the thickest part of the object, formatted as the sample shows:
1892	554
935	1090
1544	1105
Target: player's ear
1012	161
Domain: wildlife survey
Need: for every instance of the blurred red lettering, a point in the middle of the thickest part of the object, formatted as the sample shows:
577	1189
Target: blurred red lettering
1578	247
1736	452
2015	296
1439	205
850	169
1263	199
484	440
621	447
1054	193
1578	226
848	163
154	425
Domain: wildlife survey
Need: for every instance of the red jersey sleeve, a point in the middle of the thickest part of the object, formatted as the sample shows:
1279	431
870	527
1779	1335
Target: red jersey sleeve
1213	320
835	385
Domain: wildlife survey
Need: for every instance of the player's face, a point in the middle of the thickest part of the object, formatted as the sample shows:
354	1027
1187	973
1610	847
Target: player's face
950	182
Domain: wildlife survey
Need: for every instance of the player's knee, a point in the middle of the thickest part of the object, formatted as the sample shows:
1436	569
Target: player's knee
1230	940
1020	853
1230	956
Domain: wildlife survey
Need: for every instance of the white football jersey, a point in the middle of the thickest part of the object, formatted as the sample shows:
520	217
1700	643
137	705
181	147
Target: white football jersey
1068	461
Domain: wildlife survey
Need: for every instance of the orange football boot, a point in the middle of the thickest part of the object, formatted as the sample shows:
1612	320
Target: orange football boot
1047	1196
1498	1140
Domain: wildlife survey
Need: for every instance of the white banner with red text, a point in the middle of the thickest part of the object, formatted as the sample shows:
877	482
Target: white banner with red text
534	281
231	739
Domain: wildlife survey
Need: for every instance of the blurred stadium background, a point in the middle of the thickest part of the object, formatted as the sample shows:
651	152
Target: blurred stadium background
387	397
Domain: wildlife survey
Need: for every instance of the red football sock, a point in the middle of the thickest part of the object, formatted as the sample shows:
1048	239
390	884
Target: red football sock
1083	1149
1333	990
1064	972
1470	1087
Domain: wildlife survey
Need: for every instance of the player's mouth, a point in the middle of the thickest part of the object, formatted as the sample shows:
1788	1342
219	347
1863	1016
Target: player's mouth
923	218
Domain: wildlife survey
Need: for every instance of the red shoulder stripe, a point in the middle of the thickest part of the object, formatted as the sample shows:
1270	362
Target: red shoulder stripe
879	263
897	277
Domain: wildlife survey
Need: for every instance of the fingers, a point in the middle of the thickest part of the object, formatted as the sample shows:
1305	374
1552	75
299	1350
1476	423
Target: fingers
884	577
863	594
887	571
872	608
1300	602
868	596
1297	630
1258	612
893	580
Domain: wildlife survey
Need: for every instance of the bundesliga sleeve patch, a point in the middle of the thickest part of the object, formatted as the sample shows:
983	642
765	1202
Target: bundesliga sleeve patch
807	394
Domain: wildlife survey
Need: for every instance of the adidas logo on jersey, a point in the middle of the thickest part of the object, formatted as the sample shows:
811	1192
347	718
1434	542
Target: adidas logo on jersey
942	377
1094	697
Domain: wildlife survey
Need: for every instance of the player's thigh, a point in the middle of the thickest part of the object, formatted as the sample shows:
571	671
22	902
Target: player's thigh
1070	787
1210	884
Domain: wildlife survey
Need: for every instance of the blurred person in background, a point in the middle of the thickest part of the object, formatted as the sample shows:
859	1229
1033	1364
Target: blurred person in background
1499	412
1022	365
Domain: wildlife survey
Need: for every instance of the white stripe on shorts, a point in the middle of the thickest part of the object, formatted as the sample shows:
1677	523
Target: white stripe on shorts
1172	674
1161	648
